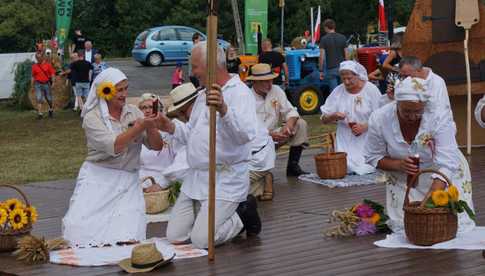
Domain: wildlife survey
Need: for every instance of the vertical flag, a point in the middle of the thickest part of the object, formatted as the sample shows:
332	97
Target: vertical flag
63	20
382	17
255	18
316	33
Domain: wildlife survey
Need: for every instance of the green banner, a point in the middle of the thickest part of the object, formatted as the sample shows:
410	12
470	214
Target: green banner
63	20
255	14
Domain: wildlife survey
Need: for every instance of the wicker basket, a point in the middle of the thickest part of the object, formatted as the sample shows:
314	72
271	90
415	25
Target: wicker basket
156	202
9	237
331	165
427	226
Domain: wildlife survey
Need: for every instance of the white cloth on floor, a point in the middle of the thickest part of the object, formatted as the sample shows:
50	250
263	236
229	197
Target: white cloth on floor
349	180
472	240
358	108
106	206
111	255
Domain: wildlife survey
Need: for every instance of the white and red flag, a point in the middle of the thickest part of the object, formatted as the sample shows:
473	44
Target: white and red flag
316	33
382	17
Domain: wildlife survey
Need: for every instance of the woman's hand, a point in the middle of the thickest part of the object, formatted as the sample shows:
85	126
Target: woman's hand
438	184
358	129
338	116
152	122
407	166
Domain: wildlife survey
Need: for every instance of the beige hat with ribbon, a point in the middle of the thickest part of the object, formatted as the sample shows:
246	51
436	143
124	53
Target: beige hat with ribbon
144	258
181	95
261	71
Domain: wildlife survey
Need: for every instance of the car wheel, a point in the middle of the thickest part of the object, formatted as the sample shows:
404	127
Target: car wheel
155	59
309	100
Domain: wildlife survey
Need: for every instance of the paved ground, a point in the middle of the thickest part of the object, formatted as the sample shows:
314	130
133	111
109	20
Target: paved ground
146	79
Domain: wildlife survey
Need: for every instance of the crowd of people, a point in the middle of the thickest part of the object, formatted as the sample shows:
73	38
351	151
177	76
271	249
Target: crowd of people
128	143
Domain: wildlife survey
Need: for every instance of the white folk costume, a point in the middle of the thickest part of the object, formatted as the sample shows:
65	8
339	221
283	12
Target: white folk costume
107	204
435	143
478	111
358	108
263	156
235	131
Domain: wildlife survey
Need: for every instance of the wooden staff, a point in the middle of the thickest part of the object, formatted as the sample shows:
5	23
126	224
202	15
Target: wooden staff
211	78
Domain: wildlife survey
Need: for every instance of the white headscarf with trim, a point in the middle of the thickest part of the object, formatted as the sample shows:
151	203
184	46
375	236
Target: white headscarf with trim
354	67
112	75
412	89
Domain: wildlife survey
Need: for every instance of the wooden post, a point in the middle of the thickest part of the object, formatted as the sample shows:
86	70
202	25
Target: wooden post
211	78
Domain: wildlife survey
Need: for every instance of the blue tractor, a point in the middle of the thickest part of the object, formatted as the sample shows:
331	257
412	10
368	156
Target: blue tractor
305	89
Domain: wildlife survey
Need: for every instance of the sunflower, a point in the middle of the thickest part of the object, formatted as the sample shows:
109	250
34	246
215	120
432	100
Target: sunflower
440	198
32	213
18	219
3	216
453	193
13	204
106	90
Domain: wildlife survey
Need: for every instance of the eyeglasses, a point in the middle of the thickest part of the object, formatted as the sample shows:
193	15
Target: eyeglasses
144	107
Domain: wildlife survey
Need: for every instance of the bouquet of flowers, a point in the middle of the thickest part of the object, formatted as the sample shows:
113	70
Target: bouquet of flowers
363	219
14	215
449	199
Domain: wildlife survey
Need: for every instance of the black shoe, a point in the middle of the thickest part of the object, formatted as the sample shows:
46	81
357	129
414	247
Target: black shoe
39	116
294	170
248	212
51	113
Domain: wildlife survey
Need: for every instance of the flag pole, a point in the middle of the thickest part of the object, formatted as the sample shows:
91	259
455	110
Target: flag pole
311	23
211	78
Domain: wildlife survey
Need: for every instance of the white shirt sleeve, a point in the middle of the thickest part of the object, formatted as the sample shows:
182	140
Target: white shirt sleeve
478	112
376	146
331	102
446	157
238	124
287	109
182	131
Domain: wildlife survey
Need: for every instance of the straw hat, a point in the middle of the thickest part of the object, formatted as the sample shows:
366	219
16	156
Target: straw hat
262	71
144	258
181	95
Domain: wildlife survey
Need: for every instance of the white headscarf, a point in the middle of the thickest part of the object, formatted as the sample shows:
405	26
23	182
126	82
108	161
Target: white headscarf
412	89
112	75
354	67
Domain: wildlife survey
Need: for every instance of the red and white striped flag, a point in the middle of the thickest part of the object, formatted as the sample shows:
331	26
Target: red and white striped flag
382	17
316	33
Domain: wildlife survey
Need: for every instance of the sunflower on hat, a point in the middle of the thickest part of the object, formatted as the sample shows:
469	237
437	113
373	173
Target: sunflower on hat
106	90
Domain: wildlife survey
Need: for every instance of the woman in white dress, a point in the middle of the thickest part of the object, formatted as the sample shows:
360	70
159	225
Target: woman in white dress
107	205
409	127
350	105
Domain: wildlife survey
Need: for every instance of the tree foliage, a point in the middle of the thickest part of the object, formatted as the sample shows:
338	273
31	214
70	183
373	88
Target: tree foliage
114	24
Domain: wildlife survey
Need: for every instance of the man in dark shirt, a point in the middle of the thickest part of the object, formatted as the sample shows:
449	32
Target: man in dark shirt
275	59
78	41
82	71
332	52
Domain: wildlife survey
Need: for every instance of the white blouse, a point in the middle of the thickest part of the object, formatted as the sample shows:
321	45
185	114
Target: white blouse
385	139
358	108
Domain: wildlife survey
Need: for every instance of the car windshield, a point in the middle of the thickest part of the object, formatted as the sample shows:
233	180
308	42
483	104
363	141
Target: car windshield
142	36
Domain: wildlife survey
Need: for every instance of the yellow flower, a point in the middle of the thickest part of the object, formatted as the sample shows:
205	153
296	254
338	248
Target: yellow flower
32	213
13	204
440	198
18	219
375	218
453	193
106	90
3	216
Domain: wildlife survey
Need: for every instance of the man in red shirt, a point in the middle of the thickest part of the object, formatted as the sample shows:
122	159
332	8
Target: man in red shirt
42	75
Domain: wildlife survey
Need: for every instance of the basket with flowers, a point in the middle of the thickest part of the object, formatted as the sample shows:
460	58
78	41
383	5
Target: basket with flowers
433	219
363	219
16	219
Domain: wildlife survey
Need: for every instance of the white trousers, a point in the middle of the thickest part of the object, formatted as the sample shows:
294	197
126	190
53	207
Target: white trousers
189	221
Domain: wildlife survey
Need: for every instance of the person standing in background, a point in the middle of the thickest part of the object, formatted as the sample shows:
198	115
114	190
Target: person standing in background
275	59
42	77
332	52
78	41
192	78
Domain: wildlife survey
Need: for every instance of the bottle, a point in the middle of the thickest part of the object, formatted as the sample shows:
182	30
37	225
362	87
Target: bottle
413	155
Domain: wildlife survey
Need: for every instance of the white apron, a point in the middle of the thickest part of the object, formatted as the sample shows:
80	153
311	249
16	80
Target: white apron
106	207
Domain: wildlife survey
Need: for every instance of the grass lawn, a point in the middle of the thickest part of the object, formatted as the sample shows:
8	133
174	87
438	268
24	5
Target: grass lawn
34	150
39	150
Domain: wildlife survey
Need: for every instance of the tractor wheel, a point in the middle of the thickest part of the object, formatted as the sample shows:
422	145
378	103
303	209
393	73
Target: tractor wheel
309	100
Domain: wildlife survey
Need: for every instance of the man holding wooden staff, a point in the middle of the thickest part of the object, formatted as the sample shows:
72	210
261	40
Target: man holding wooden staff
235	211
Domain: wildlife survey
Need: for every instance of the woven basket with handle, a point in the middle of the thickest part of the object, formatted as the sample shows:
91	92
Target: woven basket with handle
9	236
155	202
331	165
427	226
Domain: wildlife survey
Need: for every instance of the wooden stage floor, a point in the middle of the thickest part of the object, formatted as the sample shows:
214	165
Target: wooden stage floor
291	242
